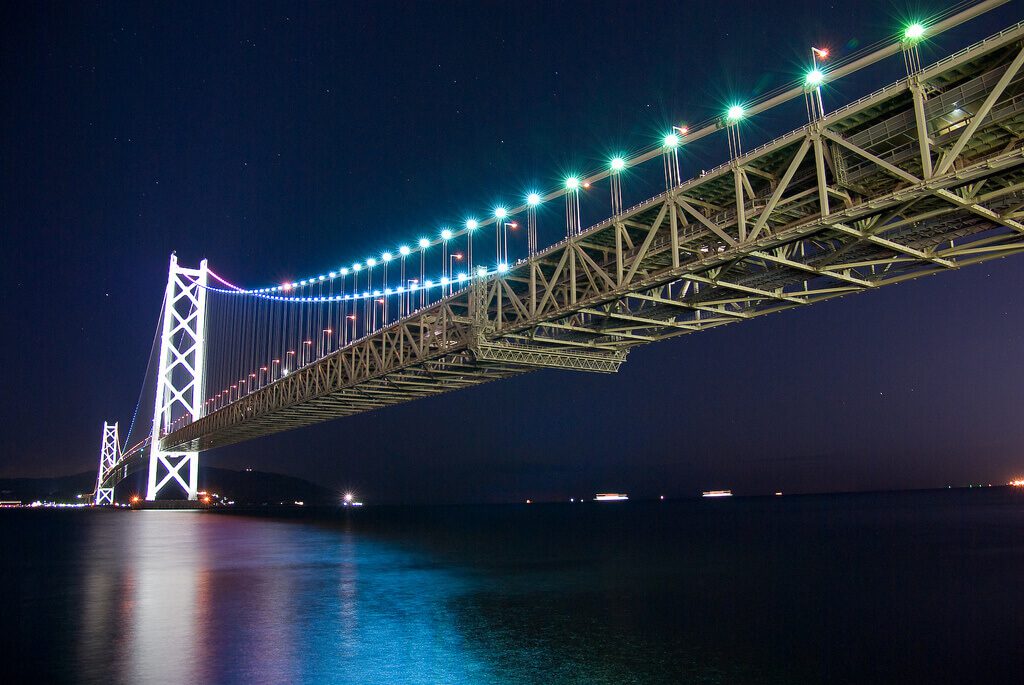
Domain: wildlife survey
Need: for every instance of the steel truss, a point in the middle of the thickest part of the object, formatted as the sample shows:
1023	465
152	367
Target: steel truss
921	177
179	376
110	454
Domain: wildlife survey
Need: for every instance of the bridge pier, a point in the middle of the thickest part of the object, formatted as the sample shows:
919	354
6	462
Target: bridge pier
180	376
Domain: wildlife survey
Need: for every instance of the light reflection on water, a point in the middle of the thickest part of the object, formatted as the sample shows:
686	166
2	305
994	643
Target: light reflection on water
880	588
225	599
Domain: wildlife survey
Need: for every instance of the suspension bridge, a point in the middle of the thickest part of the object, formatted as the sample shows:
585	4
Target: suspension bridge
922	176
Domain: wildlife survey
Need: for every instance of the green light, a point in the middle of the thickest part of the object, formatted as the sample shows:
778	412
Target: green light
914	32
814	78
618	164
572	183
734	113
671	140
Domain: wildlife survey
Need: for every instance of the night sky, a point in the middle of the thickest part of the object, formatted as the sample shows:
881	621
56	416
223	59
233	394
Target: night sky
280	140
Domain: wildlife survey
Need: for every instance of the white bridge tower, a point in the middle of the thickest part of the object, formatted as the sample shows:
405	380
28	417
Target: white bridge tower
110	452
180	376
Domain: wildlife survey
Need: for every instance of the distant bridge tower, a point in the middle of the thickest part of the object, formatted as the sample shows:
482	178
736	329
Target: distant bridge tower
110	452
180	375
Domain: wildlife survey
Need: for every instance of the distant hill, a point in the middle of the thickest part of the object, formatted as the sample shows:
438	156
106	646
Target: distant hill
244	487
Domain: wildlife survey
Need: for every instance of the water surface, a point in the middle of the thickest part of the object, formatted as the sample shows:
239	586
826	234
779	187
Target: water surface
887	588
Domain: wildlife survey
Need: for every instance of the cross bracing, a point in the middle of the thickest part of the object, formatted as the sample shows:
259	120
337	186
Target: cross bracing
921	177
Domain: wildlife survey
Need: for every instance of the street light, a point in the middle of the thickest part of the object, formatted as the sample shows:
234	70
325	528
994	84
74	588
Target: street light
326	340
504	235
451	269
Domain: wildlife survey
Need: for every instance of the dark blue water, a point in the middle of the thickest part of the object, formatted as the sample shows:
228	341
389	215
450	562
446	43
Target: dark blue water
891	588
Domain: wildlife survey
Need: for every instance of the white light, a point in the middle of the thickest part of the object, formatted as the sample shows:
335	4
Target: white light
572	183
618	164
332	274
323	278
428	283
404	250
446	234
387	291
735	113
357	267
444	280
502	268
533	199
371	262
481	271
671	140
386	256
462	277
376	293
344	271
914	31
424	242
500	213
471	224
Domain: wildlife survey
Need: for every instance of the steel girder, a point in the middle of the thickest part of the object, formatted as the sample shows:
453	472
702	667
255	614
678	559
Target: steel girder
853	201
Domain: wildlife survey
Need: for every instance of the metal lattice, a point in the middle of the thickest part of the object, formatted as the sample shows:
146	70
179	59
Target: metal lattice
179	376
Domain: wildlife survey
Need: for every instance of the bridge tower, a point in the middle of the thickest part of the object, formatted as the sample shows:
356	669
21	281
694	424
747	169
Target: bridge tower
180	376
110	452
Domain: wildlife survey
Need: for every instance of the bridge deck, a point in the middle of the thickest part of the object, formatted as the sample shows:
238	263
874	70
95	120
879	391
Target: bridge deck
854	201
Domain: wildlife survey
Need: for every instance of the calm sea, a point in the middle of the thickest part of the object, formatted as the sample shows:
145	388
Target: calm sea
920	587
